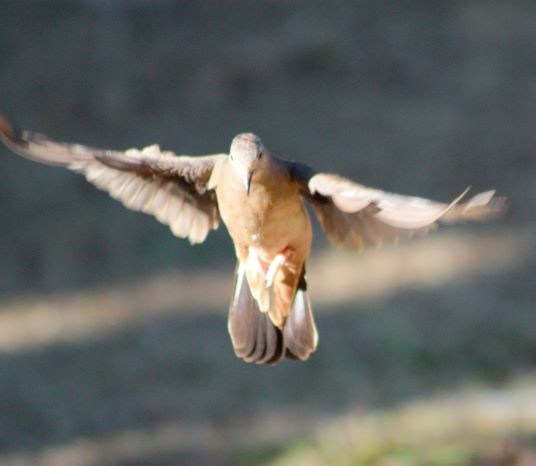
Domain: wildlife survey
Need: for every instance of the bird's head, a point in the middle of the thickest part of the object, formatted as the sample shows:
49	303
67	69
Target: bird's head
246	155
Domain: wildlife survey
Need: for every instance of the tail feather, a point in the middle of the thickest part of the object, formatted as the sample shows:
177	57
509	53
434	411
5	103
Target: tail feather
254	336
259	348
241	323
299	333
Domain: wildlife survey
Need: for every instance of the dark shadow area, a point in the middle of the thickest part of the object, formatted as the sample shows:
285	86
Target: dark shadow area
415	97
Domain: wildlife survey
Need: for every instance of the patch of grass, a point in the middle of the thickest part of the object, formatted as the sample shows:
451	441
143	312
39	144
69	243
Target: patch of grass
255	456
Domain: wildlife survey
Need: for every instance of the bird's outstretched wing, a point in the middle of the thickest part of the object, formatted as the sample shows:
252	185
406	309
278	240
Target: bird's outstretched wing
175	189
353	215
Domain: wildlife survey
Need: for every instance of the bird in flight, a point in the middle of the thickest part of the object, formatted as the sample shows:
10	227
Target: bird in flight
261	200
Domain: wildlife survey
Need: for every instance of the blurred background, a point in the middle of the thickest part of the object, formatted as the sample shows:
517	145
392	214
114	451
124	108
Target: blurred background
113	340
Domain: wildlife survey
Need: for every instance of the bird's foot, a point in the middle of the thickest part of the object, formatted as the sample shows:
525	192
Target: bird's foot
277	262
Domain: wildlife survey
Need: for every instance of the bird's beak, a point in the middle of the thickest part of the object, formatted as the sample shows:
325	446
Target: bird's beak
249	175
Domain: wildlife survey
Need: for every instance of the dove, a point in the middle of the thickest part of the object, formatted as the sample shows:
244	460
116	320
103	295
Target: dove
261	199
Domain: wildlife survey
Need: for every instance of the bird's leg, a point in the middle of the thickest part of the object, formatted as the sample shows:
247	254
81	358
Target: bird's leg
255	262
277	262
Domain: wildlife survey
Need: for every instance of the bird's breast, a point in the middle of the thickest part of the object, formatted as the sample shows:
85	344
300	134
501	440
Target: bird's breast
268	219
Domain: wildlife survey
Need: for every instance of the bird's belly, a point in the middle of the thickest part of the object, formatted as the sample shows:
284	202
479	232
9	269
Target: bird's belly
276	226
269	226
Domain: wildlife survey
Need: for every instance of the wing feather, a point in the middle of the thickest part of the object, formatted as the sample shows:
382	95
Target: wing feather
353	215
175	189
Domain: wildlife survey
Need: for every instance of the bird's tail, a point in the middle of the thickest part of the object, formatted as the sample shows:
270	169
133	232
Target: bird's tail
299	333
254	336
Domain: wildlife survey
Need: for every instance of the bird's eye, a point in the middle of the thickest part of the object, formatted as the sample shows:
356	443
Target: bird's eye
260	155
